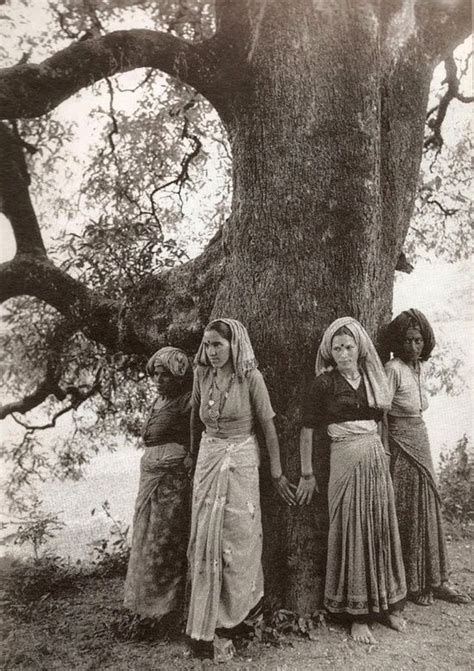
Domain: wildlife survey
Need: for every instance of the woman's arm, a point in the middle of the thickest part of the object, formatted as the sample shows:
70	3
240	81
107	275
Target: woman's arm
281	484
196	431
307	484
382	428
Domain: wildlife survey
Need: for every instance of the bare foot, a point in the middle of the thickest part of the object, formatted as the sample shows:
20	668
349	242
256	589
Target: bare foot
447	592
396	622
361	633
423	598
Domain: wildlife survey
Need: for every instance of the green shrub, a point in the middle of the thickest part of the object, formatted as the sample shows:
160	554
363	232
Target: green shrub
26	581
455	484
37	528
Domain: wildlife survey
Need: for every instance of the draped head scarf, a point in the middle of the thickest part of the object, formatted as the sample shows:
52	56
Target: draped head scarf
372	371
241	350
396	331
171	358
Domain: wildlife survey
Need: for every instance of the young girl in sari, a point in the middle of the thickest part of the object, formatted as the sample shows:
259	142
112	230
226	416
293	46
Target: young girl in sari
365	579
411	339
229	398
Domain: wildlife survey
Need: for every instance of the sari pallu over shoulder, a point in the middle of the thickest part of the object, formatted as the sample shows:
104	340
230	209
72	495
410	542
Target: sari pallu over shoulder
409	434
365	572
418	505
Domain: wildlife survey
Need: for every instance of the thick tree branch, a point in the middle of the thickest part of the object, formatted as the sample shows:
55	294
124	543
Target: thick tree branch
79	398
88	311
29	90
49	385
172	307
15	202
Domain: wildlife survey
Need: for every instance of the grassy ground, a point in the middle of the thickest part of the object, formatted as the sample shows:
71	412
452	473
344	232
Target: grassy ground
73	631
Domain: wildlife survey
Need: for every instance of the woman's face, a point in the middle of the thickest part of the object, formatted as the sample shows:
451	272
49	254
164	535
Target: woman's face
167	384
217	348
412	345
345	353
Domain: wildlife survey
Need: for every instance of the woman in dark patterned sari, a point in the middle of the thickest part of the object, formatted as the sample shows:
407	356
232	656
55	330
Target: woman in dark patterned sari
155	581
365	579
411	339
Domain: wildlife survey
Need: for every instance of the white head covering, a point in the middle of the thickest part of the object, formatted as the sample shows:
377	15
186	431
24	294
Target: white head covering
242	354
375	380
171	358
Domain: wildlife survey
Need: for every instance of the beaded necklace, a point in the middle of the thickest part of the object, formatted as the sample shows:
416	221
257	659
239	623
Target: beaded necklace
353	381
215	411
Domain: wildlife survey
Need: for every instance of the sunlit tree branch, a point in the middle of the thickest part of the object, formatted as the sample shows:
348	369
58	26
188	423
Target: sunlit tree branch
31	90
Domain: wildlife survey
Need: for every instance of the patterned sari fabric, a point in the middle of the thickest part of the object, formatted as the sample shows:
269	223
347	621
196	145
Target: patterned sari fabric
156	573
418	505
225	545
365	574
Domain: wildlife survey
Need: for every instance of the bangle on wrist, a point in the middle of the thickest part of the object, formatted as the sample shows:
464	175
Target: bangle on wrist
277	477
307	476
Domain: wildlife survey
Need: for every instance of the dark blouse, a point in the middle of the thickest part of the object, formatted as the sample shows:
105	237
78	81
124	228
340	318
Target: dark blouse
168	421
330	399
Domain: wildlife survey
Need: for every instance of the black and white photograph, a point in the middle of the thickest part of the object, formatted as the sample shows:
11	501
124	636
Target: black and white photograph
236	326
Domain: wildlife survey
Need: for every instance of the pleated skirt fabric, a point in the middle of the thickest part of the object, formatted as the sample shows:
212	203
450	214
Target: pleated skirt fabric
225	546
365	574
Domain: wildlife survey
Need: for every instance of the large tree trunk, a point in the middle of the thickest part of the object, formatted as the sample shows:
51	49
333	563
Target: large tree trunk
325	173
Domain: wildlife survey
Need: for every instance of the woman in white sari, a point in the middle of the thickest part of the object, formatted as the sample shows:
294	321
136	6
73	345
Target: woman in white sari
229	397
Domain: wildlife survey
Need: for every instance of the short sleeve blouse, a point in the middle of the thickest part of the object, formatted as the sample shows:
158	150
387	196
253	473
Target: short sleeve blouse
330	399
247	403
407	387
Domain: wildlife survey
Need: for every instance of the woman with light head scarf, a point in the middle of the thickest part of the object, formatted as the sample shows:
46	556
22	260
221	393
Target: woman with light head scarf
229	398
365	579
155	582
411	339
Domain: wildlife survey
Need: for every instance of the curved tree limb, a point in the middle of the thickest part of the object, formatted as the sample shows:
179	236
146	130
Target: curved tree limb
15	202
29	90
32	275
79	397
168	308
435	140
49	385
